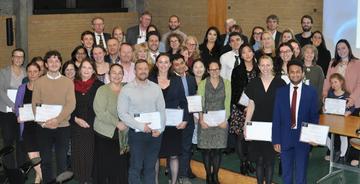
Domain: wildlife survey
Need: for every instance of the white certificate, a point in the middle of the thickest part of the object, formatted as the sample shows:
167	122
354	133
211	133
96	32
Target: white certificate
334	106
11	93
150	117
258	131
214	118
174	116
45	112
313	133
26	113
244	100
194	103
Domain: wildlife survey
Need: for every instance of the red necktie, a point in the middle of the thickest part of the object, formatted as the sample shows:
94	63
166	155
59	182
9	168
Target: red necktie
293	108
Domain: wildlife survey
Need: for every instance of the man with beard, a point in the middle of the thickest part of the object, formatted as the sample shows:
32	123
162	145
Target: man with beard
306	24
153	43
288	117
142	96
174	26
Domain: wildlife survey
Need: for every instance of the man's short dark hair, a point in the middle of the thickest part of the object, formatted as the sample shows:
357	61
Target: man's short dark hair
52	53
18	50
176	57
307	17
234	34
151	33
273	17
296	62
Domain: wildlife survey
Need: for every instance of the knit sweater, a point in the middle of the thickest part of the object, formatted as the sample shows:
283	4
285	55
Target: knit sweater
58	91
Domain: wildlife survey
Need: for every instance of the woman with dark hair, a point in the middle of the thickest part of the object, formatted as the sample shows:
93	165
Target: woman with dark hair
212	138
296	48
102	67
111	134
40	61
348	66
69	70
324	56
211	47
173	43
285	54
29	129
78	55
82	121
240	77
255	39
174	96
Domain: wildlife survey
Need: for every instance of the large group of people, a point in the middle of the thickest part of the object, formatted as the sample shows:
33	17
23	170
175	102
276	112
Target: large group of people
114	79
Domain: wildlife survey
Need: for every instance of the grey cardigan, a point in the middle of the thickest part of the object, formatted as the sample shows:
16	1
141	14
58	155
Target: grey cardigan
5	78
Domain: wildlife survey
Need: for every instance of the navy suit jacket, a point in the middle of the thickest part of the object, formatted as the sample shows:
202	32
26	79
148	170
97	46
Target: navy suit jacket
308	112
132	35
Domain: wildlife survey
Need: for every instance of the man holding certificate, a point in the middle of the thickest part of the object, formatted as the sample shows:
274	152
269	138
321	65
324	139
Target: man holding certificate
53	93
139	100
287	121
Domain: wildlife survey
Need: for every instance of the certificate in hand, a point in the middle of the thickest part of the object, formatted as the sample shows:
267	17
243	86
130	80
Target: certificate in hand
214	118
45	112
174	116
313	133
150	117
194	103
26	113
244	100
258	131
11	93
335	106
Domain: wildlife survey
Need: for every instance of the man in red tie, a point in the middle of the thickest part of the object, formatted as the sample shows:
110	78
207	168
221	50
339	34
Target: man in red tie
295	103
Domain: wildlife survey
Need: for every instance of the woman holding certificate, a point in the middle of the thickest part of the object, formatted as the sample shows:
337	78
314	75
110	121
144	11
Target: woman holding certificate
174	95
111	134
261	92
240	77
10	80
212	136
82	120
29	129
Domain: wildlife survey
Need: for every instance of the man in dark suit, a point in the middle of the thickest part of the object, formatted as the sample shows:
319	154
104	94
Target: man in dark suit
98	26
295	103
190	87
272	23
227	47
137	34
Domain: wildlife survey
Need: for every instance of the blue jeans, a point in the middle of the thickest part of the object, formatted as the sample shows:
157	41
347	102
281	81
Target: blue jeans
49	139
144	152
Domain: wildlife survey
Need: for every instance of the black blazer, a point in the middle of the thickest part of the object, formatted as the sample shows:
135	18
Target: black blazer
132	34
239	81
107	36
277	38
175	95
227	47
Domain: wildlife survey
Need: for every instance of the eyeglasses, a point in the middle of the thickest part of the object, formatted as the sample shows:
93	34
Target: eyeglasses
80	53
17	56
214	70
258	33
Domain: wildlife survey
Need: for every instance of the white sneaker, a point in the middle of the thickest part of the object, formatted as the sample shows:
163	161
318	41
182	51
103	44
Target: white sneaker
354	162
327	157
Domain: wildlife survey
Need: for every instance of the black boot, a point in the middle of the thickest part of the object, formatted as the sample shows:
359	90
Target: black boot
243	168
